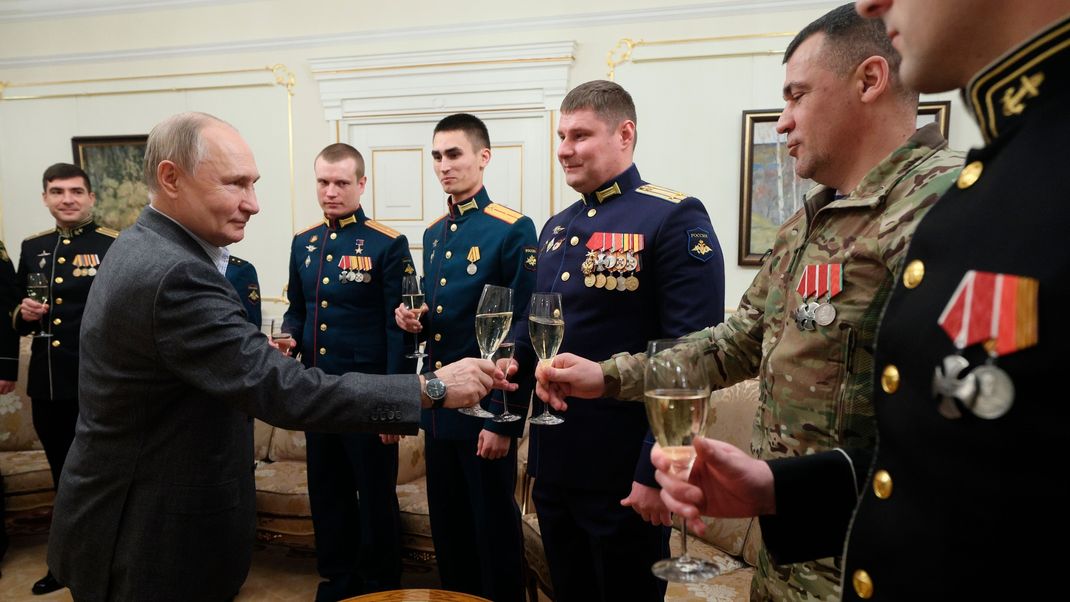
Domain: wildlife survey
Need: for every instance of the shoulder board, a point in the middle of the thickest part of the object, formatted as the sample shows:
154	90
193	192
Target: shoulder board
108	232
40	234
661	192
315	225
503	213
440	218
236	260
379	227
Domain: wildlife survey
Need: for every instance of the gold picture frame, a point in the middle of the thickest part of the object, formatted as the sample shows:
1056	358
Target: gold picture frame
115	165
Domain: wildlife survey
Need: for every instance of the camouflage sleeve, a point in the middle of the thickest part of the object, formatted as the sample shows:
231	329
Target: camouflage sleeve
732	351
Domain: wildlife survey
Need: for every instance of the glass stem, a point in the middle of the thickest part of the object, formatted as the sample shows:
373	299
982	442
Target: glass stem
683	540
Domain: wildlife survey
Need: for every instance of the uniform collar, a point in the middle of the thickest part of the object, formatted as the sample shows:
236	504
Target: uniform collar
1033	72
628	180
356	217
74	230
478	203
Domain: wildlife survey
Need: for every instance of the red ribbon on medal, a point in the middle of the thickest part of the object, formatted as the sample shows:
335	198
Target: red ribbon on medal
986	306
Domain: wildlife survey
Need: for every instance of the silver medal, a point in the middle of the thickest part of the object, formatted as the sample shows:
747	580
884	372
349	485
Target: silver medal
949	387
995	392
825	314
356	276
471	269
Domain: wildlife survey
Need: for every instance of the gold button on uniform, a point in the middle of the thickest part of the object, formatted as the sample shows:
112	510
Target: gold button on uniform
323	351
575	241
59	279
442	282
882	484
970	174
565	276
330	258
438	337
59	300
913	274
62	260
55	343
890	379
453	227
438	364
66	241
323	328
591	212
449	254
863	584
323	304
334	235
438	309
57	321
326	280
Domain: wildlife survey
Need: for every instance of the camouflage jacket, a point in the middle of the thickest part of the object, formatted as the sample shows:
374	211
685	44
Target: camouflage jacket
816	385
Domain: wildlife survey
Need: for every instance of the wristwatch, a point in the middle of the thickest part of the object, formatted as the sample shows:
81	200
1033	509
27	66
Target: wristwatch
436	390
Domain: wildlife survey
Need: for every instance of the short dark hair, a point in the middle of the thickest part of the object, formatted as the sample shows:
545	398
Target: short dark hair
340	151
607	99
850	39
472	126
63	171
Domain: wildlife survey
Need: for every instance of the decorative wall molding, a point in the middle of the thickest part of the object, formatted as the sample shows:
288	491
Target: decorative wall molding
26	10
513	77
713	8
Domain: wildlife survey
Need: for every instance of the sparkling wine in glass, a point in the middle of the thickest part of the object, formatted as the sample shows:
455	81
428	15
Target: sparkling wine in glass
546	327
494	316
505	352
37	289
413	298
677	393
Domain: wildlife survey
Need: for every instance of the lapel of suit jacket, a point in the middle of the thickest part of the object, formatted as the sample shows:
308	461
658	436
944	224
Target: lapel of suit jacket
164	226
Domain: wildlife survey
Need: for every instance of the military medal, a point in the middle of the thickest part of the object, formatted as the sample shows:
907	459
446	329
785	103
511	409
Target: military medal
44	259
830	283
308	261
344	266
600	281
807	287
359	246
1000	311
473	257
78	262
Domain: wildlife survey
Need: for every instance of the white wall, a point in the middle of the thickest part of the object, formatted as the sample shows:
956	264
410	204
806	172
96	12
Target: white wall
693	147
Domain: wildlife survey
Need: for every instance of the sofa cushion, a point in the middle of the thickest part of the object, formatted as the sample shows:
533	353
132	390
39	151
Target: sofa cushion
261	440
16	416
534	552
287	445
27	480
282	489
411	458
733	584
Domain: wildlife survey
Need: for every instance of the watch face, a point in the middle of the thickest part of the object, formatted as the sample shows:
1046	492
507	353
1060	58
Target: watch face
436	389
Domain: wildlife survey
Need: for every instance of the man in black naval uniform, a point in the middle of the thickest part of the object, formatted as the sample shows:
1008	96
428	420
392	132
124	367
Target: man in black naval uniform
9	353
68	256
633	262
970	435
471	462
242	276
345	278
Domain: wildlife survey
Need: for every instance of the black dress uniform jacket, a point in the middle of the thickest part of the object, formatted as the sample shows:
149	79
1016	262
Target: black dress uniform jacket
9	301
949	501
70	257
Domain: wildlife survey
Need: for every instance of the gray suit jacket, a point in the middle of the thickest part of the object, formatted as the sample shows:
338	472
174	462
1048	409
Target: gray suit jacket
156	501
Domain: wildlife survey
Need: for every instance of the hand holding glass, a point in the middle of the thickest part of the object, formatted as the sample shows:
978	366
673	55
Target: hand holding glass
546	327
37	289
283	340
494	316
677	393
413	299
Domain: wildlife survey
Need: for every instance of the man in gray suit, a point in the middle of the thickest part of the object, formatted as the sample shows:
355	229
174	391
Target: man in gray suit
156	499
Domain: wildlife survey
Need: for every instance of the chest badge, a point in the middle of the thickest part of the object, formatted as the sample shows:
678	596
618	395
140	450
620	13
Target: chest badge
359	248
473	257
999	311
818	281
612	261
355	268
85	265
44	255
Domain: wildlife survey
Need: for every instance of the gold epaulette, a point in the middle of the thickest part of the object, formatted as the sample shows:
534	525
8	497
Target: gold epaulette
503	213
315	225
440	218
40	234
107	232
661	192
379	227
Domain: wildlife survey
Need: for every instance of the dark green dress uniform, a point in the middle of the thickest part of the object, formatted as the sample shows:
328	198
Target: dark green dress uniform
9	350
962	477
666	279
475	522
242	276
70	257
345	281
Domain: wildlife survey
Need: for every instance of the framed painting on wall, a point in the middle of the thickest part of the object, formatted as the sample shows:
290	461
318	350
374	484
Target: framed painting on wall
115	168
770	192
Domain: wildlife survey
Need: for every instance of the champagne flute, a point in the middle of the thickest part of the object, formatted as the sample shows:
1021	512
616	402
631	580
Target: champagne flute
505	352
413	298
284	340
677	393
546	327
37	288
494	315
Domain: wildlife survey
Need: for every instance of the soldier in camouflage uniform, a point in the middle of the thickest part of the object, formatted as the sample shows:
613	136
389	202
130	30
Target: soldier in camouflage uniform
843	251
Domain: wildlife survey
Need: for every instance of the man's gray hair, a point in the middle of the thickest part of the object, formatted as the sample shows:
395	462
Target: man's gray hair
176	139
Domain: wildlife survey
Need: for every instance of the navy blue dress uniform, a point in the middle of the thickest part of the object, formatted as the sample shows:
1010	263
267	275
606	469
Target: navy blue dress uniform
345	281
475	522
70	257
970	411
242	276
9	350
633	262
